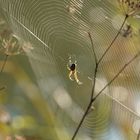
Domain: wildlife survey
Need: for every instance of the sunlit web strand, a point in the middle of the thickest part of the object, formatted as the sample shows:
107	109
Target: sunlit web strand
125	107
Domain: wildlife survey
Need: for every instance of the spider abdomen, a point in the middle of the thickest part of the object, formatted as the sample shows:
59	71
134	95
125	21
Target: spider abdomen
72	67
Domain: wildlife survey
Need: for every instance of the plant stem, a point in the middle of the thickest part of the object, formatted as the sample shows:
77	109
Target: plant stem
138	136
96	67
83	118
92	47
111	44
94	81
2	68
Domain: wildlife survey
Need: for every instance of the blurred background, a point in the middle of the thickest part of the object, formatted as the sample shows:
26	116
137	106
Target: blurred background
38	39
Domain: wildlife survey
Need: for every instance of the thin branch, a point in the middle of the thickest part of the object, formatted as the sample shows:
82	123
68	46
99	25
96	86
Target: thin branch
2	68
116	76
96	67
94	81
126	16
92	47
138	136
83	118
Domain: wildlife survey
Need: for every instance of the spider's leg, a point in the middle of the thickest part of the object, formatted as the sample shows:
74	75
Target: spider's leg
76	78
70	74
78	71
75	62
68	67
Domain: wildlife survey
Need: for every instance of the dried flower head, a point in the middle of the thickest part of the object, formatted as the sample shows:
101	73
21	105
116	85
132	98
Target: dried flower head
11	46
127	31
130	7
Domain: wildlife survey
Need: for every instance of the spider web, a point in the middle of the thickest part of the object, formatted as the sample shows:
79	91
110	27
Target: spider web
57	30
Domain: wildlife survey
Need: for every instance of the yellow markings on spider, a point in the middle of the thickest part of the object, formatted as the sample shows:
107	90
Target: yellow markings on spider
73	72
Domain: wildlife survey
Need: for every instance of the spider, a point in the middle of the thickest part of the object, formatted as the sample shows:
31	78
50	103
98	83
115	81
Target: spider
73	71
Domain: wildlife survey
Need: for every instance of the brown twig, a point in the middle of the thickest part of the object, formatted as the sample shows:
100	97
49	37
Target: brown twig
111	44
138	136
2	68
96	66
